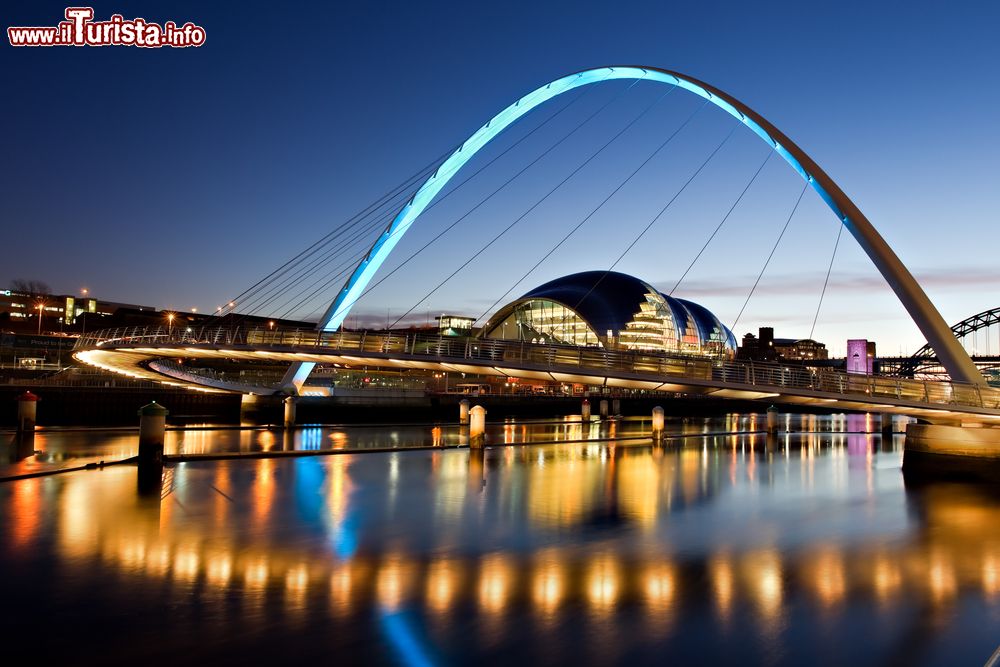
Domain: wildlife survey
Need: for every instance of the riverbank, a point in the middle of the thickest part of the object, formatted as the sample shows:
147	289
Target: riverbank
117	406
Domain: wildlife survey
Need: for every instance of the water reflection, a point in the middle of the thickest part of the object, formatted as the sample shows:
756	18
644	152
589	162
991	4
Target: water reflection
653	548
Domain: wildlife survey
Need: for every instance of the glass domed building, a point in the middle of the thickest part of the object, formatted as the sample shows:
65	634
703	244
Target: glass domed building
614	311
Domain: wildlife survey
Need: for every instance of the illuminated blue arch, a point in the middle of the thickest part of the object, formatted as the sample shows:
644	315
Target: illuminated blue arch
950	352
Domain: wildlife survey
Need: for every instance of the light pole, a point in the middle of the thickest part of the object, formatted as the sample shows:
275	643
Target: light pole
170	324
41	304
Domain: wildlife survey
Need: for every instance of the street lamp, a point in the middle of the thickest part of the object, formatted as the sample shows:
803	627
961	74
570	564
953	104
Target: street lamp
170	324
41	305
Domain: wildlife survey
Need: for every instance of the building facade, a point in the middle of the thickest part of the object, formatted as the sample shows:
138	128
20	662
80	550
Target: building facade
765	347
614	311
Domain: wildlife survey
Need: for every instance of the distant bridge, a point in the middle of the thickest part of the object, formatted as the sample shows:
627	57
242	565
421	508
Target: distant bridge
153	353
924	362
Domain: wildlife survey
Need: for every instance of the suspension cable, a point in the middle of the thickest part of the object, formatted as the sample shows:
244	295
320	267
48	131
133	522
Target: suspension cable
840	231
345	306
593	211
266	293
359	215
406	194
719	226
282	288
768	261
658	215
533	206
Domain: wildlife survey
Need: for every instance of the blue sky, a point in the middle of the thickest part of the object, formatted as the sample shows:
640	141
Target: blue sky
177	178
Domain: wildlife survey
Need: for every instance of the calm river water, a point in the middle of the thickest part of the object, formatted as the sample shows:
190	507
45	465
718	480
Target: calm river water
596	548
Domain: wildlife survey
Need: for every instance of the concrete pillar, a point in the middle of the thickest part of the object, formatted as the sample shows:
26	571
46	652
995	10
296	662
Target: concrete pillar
477	426
772	419
289	411
885	421
463	411
947	451
657	422
27	410
585	410
152	429
616	407
249	405
603	408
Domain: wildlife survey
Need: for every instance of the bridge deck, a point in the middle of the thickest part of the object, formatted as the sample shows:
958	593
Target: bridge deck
150	352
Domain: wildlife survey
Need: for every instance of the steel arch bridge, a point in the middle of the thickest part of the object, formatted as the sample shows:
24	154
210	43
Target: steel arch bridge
951	354
924	360
970	325
132	355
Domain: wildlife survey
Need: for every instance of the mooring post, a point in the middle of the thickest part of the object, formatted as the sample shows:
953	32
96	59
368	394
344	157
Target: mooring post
27	411
772	420
289	412
152	428
477	426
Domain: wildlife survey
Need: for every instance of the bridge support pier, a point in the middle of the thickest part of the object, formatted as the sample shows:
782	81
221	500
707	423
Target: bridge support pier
249	408
477	427
772	420
940	451
616	407
603	408
585	410
289	412
885	423
463	411
657	424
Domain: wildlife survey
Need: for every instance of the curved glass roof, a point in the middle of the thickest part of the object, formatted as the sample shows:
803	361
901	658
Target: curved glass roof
606	301
620	311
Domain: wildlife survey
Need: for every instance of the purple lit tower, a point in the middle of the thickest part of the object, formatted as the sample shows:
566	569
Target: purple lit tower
860	355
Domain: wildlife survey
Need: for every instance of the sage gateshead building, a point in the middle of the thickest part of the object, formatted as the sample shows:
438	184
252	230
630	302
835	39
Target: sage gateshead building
614	311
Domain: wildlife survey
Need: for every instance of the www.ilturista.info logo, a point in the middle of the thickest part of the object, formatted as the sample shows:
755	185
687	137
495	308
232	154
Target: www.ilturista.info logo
79	29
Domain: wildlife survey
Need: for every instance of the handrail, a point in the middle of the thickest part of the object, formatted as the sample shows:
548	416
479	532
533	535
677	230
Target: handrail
770	375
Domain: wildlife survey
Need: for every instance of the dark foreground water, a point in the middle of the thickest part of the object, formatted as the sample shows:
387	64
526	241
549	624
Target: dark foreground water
713	549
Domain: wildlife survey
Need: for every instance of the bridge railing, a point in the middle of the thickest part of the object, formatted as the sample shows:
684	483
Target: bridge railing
555	358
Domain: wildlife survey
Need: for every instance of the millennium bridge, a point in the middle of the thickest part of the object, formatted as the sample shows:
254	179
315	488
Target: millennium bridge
964	400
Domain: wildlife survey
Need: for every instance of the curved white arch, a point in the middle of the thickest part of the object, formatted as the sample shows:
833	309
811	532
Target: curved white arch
950	352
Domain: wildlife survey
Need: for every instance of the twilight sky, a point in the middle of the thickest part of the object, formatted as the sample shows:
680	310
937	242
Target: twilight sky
179	177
